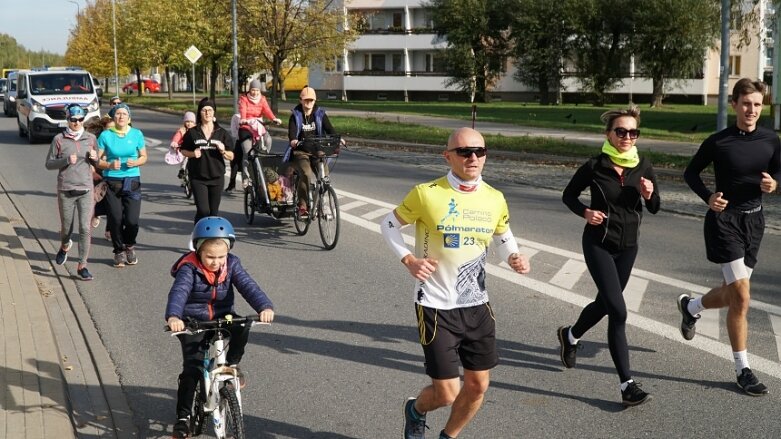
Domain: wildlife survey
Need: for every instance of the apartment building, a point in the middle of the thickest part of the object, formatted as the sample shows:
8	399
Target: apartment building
397	58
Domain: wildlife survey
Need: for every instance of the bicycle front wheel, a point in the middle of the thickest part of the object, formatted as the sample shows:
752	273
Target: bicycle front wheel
196	411
328	218
230	411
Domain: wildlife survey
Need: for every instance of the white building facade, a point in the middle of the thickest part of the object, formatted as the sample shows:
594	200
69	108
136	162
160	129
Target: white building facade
397	58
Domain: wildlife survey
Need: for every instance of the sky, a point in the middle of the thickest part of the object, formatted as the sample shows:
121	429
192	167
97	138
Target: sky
40	24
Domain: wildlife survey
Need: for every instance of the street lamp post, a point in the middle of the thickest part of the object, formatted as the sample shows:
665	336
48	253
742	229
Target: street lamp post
114	29
78	8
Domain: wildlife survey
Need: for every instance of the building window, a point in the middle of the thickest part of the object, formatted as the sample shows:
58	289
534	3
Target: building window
434	63
734	65
398	62
397	23
769	56
374	62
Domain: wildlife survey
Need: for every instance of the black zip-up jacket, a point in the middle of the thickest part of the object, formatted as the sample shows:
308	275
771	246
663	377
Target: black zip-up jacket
211	165
616	195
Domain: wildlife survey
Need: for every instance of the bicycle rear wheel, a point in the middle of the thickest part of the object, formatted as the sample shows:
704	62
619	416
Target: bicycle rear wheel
249	204
328	218
188	190
196	411
230	411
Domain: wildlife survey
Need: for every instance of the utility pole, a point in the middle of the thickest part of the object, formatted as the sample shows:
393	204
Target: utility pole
721	119
235	77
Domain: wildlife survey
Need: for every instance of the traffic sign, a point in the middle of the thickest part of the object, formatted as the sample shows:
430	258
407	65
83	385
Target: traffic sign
193	54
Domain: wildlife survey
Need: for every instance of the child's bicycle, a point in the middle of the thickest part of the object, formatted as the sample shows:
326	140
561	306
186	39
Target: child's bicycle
184	178
218	393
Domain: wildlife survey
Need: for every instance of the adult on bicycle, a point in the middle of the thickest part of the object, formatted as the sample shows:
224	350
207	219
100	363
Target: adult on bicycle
203	289
307	120
207	146
252	106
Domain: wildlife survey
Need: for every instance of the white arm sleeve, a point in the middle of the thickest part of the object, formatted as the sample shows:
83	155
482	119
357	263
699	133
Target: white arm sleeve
391	231
505	244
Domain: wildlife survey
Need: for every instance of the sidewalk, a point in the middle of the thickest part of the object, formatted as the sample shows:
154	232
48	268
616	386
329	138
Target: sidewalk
32	388
56	379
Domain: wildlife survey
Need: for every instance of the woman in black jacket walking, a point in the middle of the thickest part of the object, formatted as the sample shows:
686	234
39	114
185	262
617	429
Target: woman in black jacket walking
619	181
207	146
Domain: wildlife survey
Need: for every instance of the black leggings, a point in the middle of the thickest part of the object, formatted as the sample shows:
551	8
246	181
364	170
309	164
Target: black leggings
207	196
610	271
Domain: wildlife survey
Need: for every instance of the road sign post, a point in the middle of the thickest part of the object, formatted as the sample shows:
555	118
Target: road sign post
193	55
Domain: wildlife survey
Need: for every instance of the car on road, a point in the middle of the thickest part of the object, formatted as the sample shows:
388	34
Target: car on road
150	85
9	101
3	87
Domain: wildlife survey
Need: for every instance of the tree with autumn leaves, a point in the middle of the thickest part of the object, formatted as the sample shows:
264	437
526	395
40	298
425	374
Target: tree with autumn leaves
273	35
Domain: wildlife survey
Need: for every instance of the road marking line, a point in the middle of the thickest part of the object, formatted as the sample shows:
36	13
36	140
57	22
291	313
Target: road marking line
775	322
382	211
352	205
634	292
569	274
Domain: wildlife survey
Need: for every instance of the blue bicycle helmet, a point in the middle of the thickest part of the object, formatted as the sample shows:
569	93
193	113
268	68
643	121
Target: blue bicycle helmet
213	227
75	110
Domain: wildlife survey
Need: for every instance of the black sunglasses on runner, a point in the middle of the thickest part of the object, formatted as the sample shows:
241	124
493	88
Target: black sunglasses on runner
622	132
467	151
76	119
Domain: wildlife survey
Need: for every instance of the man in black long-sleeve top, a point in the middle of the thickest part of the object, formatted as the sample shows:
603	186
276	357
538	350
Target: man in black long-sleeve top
747	162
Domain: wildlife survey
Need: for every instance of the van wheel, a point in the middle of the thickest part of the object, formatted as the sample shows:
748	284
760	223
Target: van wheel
30	136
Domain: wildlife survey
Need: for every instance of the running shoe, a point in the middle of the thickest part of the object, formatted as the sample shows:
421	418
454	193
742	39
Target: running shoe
95	222
181	429
687	320
119	259
303	212
62	254
750	384
84	274
633	395
413	428
130	255
567	351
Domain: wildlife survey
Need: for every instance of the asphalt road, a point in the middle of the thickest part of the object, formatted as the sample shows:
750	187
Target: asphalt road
342	355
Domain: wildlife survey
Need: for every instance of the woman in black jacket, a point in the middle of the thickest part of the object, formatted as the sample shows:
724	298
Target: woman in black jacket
207	146
619	181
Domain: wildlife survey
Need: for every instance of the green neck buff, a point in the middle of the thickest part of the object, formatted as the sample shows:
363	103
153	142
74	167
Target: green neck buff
628	159
120	132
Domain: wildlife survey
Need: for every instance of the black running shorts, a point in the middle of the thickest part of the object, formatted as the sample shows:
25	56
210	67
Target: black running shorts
455	337
732	234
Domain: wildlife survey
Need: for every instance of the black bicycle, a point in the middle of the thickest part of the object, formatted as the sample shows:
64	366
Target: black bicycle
184	177
321	202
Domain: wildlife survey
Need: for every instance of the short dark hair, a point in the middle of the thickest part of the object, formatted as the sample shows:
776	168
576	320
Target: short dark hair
747	86
608	117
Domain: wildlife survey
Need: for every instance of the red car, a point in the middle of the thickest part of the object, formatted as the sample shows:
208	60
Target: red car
150	85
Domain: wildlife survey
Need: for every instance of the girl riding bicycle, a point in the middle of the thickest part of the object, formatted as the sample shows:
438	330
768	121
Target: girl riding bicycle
174	156
203	289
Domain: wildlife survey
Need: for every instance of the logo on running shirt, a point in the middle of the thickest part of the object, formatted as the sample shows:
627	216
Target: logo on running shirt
452	240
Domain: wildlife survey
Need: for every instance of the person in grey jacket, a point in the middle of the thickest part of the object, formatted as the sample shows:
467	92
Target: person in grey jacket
74	153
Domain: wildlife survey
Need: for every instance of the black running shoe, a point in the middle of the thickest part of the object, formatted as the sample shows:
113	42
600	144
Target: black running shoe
181	429
633	395
750	384
568	351
413	429
687	320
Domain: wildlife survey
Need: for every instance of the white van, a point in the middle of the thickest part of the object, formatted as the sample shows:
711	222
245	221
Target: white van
41	97
9	103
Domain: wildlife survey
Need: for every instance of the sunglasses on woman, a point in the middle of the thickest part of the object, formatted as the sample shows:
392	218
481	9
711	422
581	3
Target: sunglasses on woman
623	132
467	151
76	119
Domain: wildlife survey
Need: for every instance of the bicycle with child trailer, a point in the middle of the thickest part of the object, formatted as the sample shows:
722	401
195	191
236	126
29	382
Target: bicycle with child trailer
218	392
321	203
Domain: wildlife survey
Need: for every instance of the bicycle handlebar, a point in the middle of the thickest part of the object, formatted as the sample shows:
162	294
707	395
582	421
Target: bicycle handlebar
205	325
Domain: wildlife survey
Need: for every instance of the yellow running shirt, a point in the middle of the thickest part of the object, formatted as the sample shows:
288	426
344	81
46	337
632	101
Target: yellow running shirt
454	228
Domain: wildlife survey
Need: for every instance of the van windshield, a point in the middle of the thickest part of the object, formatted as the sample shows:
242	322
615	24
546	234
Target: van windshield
60	83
